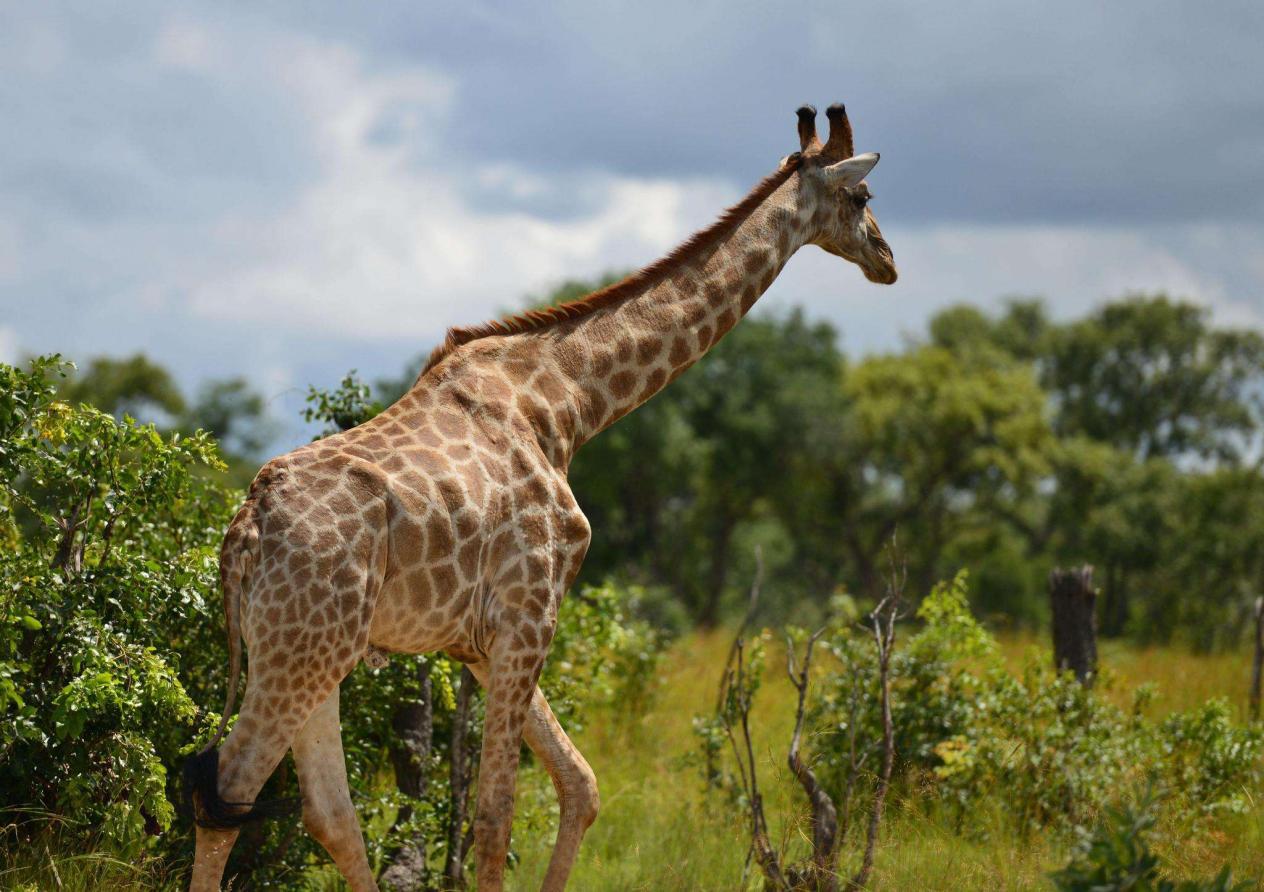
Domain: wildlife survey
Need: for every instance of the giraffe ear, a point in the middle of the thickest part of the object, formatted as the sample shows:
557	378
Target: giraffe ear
850	171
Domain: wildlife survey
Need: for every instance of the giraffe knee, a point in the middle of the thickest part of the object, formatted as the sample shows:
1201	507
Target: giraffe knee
580	797
331	823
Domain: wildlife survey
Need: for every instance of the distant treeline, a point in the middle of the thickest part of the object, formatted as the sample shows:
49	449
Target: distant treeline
1005	443
1008	442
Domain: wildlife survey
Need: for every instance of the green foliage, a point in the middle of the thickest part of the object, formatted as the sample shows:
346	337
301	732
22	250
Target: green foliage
1051	751
1150	375
349	404
230	410
1117	858
234	414
1155	414
600	656
1210	759
135	385
111	533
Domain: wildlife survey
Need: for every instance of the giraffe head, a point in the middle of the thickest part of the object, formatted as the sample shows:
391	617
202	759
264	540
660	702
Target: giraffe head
847	226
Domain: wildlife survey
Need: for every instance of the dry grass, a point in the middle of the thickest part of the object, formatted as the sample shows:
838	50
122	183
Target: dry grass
1183	679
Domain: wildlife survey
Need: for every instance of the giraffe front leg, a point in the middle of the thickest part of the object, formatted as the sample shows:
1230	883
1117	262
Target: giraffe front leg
511	674
576	785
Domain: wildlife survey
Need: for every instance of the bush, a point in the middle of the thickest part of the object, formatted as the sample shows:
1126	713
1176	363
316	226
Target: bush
1117	858
1036	746
111	533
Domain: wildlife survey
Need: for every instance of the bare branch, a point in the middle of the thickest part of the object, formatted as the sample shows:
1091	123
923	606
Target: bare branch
752	605
882	622
735	689
821	874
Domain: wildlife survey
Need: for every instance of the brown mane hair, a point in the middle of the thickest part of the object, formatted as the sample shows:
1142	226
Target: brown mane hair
533	320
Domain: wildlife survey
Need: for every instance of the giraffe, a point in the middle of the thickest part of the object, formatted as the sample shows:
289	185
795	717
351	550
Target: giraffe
446	522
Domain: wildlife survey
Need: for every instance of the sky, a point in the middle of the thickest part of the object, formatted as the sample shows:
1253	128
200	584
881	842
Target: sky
286	191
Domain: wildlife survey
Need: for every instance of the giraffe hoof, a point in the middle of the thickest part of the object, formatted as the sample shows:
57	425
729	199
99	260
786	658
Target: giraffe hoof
376	658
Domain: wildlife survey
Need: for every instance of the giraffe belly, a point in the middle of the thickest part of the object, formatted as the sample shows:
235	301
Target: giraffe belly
411	619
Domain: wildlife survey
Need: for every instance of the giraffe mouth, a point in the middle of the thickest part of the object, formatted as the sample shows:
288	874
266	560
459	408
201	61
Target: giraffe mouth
885	275
883	272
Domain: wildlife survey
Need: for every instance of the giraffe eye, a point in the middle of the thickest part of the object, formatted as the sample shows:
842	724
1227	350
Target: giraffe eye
860	199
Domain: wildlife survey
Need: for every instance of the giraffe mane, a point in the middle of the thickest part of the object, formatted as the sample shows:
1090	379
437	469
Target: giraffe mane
703	240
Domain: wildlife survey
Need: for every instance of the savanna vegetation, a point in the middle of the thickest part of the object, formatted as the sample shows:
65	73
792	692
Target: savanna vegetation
944	480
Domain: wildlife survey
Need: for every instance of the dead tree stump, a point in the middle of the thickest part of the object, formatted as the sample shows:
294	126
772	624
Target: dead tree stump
1073	600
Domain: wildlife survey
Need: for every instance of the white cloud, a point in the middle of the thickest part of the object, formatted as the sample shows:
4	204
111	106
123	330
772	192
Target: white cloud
396	237
185	44
386	241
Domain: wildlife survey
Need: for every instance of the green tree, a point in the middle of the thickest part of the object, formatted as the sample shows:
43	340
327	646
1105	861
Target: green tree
234	414
1152	405
935	443
1153	376
229	409
1020	331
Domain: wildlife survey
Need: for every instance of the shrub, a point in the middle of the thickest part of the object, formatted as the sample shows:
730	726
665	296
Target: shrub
1117	858
1036	746
111	534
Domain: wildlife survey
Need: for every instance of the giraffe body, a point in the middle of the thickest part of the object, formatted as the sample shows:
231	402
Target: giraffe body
446	522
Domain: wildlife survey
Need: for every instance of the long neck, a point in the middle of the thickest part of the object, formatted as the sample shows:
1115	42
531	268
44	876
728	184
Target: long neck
615	358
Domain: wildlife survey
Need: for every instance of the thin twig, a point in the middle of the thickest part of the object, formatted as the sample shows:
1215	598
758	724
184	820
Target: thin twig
821	875
734	689
752	605
882	622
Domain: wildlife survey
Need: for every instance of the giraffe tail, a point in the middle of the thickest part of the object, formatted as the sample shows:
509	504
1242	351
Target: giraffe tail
201	770
237	559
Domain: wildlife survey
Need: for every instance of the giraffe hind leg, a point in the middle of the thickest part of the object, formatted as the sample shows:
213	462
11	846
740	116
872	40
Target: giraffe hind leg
249	755
328	813
209	810
252	751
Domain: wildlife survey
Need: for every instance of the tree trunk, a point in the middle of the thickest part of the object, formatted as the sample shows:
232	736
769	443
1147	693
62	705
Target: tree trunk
866	570
413	724
1257	667
709	616
1115	607
1073	601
